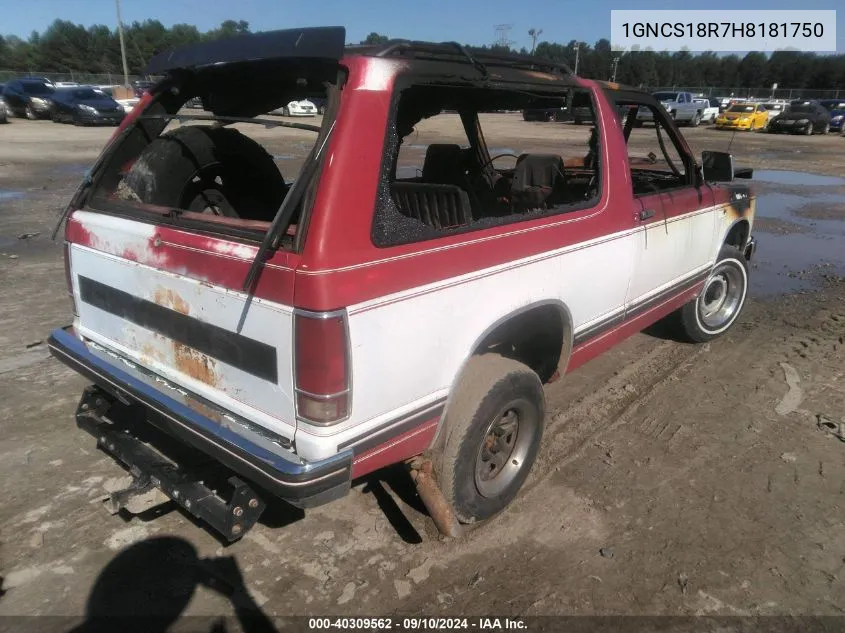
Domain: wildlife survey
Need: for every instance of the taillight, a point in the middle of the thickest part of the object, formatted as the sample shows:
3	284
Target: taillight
69	275
321	366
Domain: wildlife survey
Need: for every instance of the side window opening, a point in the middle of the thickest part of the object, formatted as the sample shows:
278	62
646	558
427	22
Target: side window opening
454	163
655	161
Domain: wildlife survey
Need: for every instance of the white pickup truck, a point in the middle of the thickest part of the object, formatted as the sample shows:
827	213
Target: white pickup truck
681	106
710	109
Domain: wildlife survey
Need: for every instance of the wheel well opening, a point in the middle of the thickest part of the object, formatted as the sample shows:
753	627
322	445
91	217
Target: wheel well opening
538	337
738	235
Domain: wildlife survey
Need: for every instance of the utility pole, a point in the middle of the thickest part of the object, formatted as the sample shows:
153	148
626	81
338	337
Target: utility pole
615	66
534	33
577	46
122	46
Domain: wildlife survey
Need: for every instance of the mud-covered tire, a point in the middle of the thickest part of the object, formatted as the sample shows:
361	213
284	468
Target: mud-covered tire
192	166
706	318
494	393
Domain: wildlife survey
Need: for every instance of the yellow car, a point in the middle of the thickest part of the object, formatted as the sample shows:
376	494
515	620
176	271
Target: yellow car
743	116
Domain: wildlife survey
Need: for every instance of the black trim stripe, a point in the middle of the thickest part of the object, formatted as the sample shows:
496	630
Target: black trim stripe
394	428
248	355
638	308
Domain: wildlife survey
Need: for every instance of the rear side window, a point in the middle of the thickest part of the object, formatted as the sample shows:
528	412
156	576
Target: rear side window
461	158
224	152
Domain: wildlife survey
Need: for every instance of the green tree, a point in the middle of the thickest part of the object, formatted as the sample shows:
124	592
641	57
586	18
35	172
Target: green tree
376	38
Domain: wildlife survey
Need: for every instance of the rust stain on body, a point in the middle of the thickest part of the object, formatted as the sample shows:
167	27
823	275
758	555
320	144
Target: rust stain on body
171	299
195	364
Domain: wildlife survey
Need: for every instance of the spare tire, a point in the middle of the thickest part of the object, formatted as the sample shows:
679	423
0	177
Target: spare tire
208	170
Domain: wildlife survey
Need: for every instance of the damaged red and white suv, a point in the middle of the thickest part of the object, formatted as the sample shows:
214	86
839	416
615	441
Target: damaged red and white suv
248	336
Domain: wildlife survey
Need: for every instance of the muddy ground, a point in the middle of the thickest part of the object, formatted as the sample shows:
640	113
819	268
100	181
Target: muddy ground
674	479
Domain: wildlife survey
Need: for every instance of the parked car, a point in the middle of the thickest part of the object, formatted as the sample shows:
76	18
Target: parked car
85	106
29	98
303	107
743	116
709	109
127	104
775	109
679	105
836	107
803	117
304	335
320	103
559	113
141	86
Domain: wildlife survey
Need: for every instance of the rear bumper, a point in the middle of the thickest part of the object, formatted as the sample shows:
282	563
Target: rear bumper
237	444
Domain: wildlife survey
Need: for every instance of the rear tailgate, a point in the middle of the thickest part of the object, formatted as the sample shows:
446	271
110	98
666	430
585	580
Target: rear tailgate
169	300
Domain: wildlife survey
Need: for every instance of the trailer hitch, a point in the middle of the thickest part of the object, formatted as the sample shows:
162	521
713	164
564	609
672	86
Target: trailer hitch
157	478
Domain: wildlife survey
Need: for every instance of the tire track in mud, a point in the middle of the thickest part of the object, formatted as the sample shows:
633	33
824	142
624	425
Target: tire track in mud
572	430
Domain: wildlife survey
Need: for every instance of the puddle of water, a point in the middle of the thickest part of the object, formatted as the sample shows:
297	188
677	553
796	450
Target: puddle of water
784	206
6	194
787	263
783	177
75	169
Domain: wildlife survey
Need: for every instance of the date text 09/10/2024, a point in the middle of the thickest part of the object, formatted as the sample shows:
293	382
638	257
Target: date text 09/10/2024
416	624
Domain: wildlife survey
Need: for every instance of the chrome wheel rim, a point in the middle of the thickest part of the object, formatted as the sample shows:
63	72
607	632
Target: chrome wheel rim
504	448
723	294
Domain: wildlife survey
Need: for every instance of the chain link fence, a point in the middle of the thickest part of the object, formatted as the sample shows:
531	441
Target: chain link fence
759	93
94	79
116	79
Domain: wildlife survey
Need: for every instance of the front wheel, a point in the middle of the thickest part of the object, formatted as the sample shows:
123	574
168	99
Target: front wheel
493	430
30	113
719	304
808	131
826	128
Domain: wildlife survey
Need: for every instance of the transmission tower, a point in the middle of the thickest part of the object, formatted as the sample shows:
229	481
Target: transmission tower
502	31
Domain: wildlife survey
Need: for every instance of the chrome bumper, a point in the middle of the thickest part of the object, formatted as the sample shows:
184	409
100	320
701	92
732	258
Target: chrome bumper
237	444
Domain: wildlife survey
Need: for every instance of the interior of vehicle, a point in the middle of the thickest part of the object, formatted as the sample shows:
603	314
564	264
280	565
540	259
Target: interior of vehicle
656	162
449	185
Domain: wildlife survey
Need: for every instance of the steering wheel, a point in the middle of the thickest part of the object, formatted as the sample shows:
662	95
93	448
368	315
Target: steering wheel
497	157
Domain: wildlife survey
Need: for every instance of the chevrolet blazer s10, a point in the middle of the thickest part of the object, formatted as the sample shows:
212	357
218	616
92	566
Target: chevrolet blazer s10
250	336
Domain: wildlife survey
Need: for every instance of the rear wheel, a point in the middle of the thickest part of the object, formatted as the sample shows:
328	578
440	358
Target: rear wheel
218	171
696	119
721	301
808	131
826	128
493	430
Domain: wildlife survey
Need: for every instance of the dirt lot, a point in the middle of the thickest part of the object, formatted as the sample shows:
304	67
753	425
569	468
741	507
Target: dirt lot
674	479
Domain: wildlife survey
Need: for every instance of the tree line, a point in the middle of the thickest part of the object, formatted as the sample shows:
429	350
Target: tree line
67	47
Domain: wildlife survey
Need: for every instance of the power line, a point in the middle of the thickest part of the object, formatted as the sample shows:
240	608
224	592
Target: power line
502	31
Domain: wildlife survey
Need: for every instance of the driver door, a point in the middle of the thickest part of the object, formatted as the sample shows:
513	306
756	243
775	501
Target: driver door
676	220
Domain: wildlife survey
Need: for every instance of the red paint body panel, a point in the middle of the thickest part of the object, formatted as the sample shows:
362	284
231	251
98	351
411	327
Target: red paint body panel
597	346
343	267
207	259
398	449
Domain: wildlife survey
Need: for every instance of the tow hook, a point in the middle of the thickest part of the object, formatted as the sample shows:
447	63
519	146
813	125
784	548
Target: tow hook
422	474
750	248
